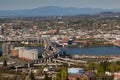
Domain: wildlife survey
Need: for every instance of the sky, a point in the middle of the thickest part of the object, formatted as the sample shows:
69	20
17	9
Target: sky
30	4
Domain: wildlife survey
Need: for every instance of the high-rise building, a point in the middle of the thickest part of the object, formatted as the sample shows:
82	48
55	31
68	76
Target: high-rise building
6	47
1	30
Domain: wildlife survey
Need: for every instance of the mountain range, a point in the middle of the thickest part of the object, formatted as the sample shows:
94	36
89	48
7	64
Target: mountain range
53	11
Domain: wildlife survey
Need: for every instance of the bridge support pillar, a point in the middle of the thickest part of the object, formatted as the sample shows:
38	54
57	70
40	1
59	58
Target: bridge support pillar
28	65
41	61
45	60
16	68
68	64
50	60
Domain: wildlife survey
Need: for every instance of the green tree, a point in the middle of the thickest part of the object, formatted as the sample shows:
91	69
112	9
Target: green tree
64	74
105	65
85	78
92	66
100	71
118	68
22	75
58	76
113	67
1	58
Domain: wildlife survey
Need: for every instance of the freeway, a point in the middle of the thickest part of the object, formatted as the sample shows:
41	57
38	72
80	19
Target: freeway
50	64
71	60
50	51
62	61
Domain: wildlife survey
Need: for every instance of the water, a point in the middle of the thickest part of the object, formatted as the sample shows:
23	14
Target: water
85	51
94	51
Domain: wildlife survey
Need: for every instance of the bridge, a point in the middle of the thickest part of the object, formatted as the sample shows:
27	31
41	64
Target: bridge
51	55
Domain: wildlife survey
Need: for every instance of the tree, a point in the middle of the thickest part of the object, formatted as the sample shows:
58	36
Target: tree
4	63
58	76
105	65
113	67
85	78
92	66
46	77
32	76
100	71
64	74
65	65
39	72
118	68
22	75
1	58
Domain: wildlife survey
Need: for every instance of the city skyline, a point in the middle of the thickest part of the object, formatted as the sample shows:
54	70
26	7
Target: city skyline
30	4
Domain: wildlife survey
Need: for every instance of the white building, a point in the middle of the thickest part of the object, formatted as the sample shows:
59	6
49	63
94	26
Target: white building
76	71
28	54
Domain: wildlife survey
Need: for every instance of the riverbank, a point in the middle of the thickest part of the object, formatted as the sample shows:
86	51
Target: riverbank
91	42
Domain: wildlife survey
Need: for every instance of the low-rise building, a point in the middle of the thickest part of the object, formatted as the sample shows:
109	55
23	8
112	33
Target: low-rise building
79	74
117	76
14	52
78	77
76	71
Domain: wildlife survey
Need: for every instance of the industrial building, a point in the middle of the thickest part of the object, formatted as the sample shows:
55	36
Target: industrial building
25	54
31	54
1	30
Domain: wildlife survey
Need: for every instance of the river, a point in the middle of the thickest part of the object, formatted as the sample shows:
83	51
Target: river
99	51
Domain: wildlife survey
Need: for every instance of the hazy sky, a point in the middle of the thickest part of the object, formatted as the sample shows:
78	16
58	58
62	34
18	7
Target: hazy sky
28	4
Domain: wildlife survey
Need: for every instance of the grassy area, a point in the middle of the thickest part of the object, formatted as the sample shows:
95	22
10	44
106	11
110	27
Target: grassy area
1	58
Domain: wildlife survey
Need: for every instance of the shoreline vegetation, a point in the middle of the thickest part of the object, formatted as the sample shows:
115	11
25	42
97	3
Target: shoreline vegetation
90	46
